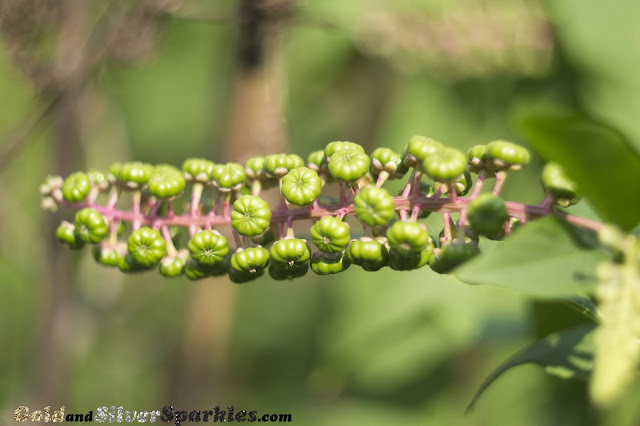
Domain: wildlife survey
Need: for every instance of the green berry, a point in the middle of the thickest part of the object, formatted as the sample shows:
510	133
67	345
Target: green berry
135	174
114	172
330	234
67	235
166	182
241	277
370	254
251	260
208	247
462	185
326	264
317	161
174	265
501	155
197	170
418	149
285	272
76	187
333	147
195	270
146	246
253	167
557	183
385	159
476	158
278	165
451	256
90	225
348	165
228	176
109	256
487	215
290	252
251	215
408	237
445	165
129	265
374	206
301	186
408	262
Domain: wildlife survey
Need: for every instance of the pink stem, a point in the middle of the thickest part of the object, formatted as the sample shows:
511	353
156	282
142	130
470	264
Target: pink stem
500	178
446	219
478	186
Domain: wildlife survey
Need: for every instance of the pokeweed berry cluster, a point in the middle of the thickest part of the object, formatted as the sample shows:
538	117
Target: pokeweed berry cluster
140	232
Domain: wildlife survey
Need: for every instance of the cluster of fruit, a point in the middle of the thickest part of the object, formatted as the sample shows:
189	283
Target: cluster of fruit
394	232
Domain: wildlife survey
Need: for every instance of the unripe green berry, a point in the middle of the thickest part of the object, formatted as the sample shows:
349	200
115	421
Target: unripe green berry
445	165
330	234
487	215
146	246
109	256
195	270
451	256
333	147
197	170
557	183
326	264
281	272
166	182
410	261
348	165
253	167
90	225
501	155
278	165
228	176
290	252
462	185
174	265
135	174
208	247
370	254
251	260
67	235
374	206
76	187
476	158
408	237
129	265
241	277
385	159
418	149
251	215
317	161
301	186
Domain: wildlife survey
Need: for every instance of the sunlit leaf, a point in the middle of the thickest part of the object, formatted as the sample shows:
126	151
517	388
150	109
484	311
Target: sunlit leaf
541	259
567	354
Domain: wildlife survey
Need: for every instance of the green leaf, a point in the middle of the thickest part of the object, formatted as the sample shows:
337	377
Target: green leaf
541	259
597	157
567	354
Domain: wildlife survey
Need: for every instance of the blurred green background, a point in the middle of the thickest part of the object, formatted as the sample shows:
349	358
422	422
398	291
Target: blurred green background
160	81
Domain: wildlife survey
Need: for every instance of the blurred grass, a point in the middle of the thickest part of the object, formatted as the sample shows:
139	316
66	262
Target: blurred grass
359	348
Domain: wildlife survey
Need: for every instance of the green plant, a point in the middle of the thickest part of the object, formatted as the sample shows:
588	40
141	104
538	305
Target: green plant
225	204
